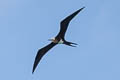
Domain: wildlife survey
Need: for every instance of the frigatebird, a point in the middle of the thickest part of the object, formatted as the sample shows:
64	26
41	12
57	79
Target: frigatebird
59	39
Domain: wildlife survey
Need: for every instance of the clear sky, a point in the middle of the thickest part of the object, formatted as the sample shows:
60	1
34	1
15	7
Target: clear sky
26	25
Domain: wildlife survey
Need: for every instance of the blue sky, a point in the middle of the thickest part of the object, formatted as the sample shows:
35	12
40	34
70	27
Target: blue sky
26	25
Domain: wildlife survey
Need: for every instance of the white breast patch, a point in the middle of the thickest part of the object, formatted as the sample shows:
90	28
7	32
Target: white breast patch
60	42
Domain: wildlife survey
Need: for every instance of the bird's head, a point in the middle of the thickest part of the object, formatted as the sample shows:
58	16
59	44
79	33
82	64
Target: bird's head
52	39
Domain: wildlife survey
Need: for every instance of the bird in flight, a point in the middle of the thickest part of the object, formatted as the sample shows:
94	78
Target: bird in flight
59	39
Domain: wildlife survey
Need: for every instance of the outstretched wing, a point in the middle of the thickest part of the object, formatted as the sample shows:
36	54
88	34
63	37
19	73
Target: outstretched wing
41	53
64	24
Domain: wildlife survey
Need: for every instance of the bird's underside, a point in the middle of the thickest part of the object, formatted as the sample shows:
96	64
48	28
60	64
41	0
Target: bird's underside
59	39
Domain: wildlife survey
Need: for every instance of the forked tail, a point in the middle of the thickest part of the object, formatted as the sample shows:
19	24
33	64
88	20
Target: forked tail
70	44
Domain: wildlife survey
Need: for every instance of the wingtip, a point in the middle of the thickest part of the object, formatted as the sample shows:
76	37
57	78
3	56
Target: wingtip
82	8
32	71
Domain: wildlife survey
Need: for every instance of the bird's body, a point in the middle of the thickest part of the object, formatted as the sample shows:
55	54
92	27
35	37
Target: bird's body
59	39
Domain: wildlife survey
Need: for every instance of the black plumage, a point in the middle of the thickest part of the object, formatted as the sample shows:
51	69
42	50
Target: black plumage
58	39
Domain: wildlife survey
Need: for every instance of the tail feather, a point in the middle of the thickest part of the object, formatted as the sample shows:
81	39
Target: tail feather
70	44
